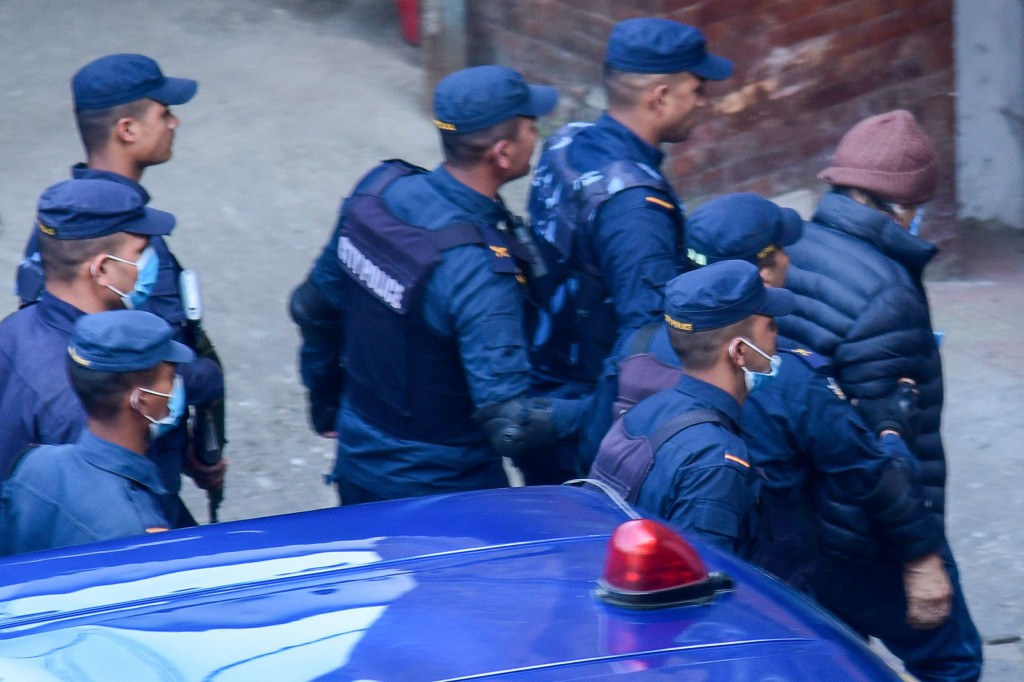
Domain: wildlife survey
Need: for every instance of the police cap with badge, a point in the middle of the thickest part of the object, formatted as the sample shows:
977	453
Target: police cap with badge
124	341
740	226
483	96
721	294
653	45
87	209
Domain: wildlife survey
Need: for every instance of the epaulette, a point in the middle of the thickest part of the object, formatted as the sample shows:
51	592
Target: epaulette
820	364
816	361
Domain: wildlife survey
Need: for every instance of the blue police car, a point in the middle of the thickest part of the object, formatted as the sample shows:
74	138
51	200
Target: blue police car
548	583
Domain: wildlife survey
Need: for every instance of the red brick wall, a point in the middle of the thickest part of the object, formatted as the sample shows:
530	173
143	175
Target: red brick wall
806	70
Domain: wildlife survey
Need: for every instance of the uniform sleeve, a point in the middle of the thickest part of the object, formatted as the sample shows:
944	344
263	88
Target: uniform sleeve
713	500
483	310
28	519
816	429
315	307
635	243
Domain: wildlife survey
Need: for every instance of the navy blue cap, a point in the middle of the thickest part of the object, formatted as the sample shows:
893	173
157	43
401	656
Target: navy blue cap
124	341
86	209
122	78
652	45
483	96
741	226
721	294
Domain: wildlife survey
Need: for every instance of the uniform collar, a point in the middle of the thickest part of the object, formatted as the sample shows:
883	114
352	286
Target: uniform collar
465	197
636	147
111	457
82	172
712	396
57	313
843	214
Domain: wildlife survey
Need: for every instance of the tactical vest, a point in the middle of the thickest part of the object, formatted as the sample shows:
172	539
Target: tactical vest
571	322
400	375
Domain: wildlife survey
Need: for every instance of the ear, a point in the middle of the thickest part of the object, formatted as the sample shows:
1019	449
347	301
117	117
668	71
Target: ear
766	277
736	351
657	96
124	129
98	268
502	151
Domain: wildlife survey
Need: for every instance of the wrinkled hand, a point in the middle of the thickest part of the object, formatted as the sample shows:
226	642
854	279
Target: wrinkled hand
205	477
929	592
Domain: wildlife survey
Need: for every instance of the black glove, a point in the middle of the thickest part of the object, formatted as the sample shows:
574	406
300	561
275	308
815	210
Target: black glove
897	412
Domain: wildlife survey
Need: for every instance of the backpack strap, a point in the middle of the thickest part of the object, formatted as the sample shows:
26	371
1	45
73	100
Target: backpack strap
683	421
640	341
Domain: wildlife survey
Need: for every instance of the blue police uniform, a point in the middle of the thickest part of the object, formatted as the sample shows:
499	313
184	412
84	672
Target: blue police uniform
37	404
416	295
629	244
204	379
473	304
93	490
599	197
844	511
827	476
702	480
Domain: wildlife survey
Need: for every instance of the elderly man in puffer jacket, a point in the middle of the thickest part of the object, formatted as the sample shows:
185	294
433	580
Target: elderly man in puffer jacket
861	302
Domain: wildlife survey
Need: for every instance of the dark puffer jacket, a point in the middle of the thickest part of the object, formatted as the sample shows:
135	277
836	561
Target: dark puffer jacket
860	302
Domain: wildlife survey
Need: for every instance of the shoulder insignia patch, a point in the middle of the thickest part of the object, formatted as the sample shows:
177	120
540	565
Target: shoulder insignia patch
734	458
800	351
661	202
156	529
500	251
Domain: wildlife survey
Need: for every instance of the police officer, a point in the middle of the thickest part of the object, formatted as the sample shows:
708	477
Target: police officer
868	312
598	194
94	241
121	365
122	110
414	309
720	325
818	456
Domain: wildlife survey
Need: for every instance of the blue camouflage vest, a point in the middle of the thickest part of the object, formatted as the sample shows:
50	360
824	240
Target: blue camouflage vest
571	322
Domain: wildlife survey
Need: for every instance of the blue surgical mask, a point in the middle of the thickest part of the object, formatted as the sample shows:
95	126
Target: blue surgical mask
175	408
755	380
148	266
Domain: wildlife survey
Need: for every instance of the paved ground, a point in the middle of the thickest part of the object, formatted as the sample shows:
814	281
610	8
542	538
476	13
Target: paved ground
297	99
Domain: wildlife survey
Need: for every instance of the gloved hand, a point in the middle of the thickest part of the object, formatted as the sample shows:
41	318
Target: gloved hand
929	592
896	412
205	477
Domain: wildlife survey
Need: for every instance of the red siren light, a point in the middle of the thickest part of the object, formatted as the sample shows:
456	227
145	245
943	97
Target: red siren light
650	566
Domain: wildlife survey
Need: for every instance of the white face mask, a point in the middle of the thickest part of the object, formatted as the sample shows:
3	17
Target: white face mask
752	379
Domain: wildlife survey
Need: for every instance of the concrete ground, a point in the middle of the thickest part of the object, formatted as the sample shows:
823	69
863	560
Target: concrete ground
297	99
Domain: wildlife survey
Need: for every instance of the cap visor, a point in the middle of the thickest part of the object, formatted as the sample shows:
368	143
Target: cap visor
178	353
777	303
792	228
713	68
153	223
543	99
174	91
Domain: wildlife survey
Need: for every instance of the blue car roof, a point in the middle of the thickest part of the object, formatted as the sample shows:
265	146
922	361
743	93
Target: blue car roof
489	584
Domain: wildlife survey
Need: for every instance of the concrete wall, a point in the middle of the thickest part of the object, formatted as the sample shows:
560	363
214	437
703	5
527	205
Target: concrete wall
806	71
990	110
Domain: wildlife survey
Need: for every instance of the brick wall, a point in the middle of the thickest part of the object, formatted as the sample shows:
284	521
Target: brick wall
806	70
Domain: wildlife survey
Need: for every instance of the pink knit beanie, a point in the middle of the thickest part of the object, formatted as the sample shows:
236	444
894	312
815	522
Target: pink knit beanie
889	156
